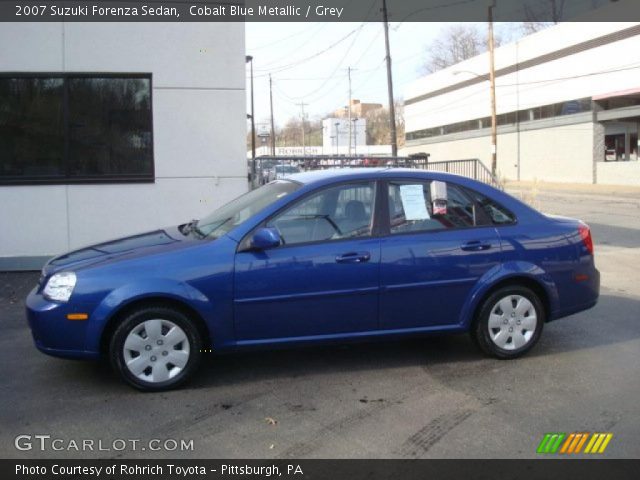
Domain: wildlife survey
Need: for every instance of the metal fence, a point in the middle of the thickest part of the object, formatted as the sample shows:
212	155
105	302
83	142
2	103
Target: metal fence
266	169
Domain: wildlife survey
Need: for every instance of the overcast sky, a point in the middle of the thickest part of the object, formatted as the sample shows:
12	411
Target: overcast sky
307	65
321	82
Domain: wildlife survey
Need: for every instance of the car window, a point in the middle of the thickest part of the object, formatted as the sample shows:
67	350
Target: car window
498	214
229	216
430	205
345	211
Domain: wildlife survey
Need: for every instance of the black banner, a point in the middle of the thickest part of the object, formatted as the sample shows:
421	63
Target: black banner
315	10
320	469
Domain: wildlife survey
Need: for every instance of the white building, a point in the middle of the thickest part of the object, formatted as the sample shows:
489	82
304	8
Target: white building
109	129
568	106
336	133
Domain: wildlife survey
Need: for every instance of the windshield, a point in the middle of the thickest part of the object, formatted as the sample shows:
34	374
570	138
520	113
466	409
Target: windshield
237	211
286	169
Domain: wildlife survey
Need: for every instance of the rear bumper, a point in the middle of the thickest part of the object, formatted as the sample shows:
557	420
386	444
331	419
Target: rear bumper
582	296
52	333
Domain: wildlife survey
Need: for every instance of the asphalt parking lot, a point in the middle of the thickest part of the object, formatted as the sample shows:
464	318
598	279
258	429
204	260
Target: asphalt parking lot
425	398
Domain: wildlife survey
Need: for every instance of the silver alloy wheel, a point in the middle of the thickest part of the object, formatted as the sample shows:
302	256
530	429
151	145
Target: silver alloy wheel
156	350
512	322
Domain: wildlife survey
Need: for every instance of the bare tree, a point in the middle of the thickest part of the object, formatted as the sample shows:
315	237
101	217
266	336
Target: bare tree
455	44
542	14
291	133
378	131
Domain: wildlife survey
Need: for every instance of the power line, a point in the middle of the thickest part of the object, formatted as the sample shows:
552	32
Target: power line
332	76
282	68
288	37
434	7
370	76
315	55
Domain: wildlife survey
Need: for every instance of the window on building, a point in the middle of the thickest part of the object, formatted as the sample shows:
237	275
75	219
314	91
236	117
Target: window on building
67	128
510	118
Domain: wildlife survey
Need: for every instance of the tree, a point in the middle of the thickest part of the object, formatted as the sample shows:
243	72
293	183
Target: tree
378	131
542	14
455	44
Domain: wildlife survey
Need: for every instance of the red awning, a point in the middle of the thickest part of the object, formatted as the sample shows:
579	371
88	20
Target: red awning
621	93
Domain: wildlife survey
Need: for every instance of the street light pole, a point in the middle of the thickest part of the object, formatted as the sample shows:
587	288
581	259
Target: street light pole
492	81
273	130
355	135
249	59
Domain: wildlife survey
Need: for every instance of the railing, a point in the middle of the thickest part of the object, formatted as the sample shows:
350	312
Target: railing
470	167
265	169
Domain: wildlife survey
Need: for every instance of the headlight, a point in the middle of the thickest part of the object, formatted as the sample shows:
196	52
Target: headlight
60	286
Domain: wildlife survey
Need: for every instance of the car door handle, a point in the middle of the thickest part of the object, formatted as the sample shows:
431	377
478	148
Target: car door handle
353	257
475	246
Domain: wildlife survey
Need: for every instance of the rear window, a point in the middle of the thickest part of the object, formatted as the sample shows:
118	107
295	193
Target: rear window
498	214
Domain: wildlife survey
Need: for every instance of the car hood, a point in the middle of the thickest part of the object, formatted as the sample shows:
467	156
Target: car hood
157	241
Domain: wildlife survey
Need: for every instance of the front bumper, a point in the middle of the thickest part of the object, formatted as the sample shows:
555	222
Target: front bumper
52	333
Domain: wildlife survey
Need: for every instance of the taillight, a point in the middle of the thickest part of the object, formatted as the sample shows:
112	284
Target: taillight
585	235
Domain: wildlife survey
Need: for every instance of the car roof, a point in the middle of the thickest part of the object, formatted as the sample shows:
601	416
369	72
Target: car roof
363	173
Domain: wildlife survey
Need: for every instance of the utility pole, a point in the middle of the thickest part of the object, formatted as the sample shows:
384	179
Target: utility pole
392	109
492	81
355	135
273	130
302	105
349	107
337	138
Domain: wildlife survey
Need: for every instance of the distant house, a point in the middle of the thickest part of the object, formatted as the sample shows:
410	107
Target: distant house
358	109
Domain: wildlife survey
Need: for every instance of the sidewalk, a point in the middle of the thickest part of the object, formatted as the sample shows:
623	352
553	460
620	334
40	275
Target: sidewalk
573	188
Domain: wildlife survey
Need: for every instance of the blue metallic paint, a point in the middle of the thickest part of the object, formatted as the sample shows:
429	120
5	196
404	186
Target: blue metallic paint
412	283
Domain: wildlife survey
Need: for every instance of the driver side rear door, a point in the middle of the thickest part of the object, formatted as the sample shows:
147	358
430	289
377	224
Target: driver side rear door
323	280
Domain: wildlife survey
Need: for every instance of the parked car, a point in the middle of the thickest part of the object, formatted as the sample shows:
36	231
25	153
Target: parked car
281	171
322	256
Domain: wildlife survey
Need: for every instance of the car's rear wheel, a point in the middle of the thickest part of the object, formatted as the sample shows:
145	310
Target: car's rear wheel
155	348
509	322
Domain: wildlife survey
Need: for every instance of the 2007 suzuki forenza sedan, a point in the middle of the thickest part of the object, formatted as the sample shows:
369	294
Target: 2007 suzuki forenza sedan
320	256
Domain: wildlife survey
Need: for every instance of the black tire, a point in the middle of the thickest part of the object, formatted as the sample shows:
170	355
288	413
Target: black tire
480	331
133	321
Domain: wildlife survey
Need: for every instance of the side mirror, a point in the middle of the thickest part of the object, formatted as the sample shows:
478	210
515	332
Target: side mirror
265	238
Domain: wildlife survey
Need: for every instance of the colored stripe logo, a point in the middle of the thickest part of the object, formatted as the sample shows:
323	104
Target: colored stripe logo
573	443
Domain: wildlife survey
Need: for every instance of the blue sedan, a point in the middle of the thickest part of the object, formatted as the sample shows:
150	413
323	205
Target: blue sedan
322	256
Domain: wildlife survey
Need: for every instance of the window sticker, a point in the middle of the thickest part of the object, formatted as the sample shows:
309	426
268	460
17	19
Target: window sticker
413	202
439	197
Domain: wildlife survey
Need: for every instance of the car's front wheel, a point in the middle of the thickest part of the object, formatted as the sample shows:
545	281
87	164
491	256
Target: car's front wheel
509	322
155	348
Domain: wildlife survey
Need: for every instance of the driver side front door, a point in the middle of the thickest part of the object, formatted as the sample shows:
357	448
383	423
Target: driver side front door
323	280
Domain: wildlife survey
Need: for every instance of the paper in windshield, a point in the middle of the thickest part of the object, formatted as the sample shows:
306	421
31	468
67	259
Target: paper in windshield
413	202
